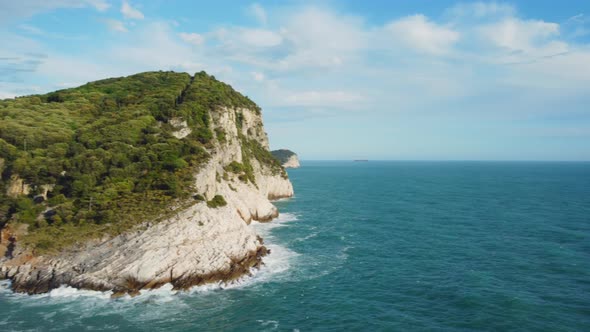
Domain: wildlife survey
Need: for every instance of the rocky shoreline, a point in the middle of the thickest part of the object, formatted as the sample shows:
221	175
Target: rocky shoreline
44	283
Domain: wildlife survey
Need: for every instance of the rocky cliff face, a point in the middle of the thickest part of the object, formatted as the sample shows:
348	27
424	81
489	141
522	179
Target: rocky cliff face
197	244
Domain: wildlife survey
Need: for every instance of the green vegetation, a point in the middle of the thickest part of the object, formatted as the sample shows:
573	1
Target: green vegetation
217	201
199	198
235	167
220	134
108	149
244	171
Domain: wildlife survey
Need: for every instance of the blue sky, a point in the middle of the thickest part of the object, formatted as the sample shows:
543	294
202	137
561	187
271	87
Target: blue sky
339	79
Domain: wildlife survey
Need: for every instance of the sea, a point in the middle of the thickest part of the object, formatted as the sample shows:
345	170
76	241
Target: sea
381	246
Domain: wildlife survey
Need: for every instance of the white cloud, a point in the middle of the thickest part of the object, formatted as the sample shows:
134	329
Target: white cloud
519	35
314	38
316	98
481	9
115	25
579	25
567	73
245	44
36	32
258	12
31	29
308	38
192	38
100	5
152	47
130	12
578	18
423	35
13	10
325	31
260	37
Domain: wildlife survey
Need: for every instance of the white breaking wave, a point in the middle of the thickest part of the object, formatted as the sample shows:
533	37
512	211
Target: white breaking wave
272	324
264	228
284	199
307	237
71	292
4	284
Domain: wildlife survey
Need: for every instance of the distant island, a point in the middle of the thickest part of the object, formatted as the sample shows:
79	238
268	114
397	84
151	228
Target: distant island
287	158
360	160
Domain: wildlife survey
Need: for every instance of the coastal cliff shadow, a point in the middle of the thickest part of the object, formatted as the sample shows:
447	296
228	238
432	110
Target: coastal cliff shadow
10	248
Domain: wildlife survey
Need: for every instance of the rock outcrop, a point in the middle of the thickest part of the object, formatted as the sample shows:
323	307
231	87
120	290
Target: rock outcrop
287	158
17	187
196	245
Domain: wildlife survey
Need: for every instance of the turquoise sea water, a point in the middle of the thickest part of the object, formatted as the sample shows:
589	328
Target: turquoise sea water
383	246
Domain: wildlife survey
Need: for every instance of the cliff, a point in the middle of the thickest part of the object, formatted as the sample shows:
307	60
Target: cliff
287	158
204	154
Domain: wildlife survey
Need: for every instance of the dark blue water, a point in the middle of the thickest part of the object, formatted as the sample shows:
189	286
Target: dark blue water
382	246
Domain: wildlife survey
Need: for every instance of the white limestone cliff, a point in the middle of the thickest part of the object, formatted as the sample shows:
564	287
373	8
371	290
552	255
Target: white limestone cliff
198	244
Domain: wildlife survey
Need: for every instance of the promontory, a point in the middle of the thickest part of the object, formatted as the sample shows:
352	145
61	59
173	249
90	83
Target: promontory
131	183
287	158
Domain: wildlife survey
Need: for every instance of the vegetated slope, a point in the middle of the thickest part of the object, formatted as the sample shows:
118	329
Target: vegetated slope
98	159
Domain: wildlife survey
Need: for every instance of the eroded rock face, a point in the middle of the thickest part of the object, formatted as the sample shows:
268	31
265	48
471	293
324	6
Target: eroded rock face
251	201
181	128
197	245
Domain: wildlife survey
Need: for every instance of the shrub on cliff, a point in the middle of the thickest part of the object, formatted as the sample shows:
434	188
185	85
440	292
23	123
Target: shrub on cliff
235	167
217	201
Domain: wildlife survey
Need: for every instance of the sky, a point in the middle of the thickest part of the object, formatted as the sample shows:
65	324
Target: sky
400	80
